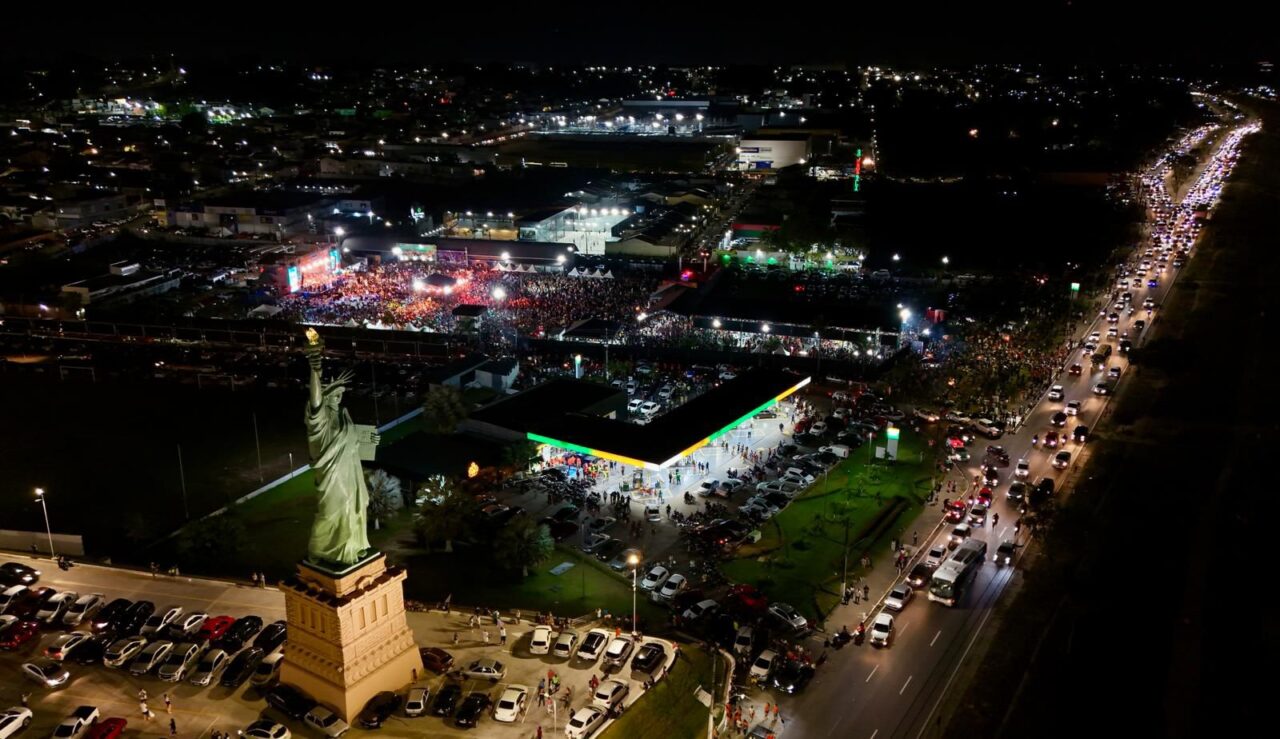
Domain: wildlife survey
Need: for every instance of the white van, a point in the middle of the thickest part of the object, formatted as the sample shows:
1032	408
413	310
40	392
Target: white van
840	450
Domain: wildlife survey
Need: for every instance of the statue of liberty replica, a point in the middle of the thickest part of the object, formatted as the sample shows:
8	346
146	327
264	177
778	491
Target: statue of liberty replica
349	638
339	534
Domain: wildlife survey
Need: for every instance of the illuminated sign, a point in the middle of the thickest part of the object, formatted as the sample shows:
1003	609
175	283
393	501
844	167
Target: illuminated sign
473	469
295	279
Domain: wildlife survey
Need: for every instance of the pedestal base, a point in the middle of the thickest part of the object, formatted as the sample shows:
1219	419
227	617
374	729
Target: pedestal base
348	637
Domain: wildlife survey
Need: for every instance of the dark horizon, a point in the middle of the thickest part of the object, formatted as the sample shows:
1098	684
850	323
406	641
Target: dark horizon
1087	32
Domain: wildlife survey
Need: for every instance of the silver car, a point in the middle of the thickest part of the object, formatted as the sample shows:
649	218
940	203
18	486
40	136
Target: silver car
181	659
212	663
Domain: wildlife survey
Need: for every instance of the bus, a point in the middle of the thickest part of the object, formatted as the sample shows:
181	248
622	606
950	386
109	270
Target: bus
949	581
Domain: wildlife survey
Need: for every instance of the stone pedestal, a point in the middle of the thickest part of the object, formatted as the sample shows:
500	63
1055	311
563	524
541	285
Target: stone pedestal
348	637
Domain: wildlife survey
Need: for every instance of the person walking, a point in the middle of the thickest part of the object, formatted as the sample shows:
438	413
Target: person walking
915	538
146	712
484	633
168	703
502	635
253	578
26	698
455	638
173	727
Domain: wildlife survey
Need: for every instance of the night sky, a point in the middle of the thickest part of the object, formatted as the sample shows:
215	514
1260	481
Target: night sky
659	31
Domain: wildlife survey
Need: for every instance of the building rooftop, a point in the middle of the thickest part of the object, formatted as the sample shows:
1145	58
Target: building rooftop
674	435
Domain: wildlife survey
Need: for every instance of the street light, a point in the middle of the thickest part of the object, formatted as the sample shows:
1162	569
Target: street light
634	561
45	507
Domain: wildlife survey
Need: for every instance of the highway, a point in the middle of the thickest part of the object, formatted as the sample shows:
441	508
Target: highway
896	692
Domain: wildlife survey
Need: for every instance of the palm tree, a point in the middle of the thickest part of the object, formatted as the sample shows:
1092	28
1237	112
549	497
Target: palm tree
521	544
447	513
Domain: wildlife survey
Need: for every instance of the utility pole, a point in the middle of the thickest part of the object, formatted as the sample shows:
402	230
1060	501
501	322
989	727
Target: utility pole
257	445
182	475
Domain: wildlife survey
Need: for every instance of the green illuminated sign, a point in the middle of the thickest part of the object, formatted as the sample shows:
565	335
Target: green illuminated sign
1075	287
892	432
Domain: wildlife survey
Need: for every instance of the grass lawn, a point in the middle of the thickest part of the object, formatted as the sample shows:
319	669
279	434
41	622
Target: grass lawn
800	557
670	710
472	581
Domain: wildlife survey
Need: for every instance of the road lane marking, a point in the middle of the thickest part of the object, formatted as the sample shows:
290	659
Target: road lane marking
838	720
935	637
904	685
873	672
873	734
903	630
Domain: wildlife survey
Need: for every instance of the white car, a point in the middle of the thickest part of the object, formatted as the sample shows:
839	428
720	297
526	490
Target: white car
700	609
763	665
731	485
1023	470
898	597
511	704
267	729
652	513
671	587
160	619
610	693
1056	393
54	608
181	659
743	641
633	405
882	630
619	649
649	408
188	624
47	672
592	645
540	640
123	650
584	723
61	647
416	703
818	428
565	643
77	723
83	608
788	615
655	577
485	669
1073	408
151	655
665	392
324	720
708	486
210	664
757	510
13	720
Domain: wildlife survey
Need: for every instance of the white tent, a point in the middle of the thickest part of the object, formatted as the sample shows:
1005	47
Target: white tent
608	275
574	272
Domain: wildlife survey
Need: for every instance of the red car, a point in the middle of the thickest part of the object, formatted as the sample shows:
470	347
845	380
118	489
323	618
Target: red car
436	659
1051	440
1075	370
32	601
110	728
19	634
215	627
984	496
956	511
749	597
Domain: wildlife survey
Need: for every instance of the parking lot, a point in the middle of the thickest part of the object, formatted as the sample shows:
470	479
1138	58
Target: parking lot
198	711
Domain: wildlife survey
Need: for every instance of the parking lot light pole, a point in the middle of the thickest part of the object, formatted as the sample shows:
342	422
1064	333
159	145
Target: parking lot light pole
49	530
634	561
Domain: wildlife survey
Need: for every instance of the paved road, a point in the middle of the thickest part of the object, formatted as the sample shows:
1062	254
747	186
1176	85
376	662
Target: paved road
895	692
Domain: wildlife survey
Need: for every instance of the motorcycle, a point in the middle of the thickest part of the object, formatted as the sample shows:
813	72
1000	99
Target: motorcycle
859	634
1035	440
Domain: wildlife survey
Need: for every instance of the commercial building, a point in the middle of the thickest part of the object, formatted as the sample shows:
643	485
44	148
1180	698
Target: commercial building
124	282
272	213
773	152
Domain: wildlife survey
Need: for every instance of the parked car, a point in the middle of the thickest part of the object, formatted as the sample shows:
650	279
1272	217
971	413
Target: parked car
593	645
241	667
324	720
417	702
671	587
485	669
447	700
160	620
123	650
584	722
378	710
540	640
109	616
85	607
180	660
290	701
472	709
788	615
648	662
186	625
75	725
107	728
511	704
210	664
240	632
267	670
436	659
610	693
47	672
565	643
271	637
762	666
213	628
792	676
62	647
267	729
655	577
133	619
151	656
55	607
618	651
